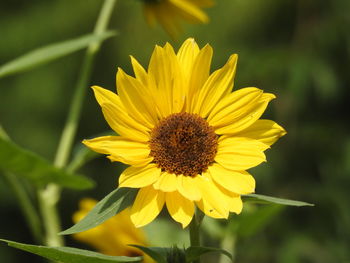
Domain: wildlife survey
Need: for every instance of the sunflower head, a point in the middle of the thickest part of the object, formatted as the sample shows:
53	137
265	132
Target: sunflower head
169	13
183	143
188	137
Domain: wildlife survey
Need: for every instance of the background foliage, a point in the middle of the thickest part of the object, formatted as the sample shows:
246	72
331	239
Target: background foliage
297	49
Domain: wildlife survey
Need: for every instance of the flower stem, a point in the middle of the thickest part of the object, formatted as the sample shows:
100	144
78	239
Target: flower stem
228	243
71	125
27	207
49	196
194	231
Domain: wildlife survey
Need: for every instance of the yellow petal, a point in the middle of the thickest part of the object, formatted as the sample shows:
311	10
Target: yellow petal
187	55
218	85
189	11
117	118
199	75
203	3
213	203
265	131
166	182
248	117
139	71
121	149
178	87
138	177
186	185
180	208
125	125
149	13
159	70
239	182
234	105
148	83
233	200
239	153
167	16
134	96
147	205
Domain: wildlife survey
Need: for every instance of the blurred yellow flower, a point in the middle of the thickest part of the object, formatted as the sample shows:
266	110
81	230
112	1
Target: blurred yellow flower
188	138
169	13
114	235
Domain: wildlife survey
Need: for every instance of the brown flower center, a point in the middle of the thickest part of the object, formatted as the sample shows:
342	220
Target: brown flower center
183	143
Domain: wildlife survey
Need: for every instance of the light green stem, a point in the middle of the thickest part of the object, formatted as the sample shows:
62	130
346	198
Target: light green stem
194	231
70	128
228	243
49	196
26	206
24	201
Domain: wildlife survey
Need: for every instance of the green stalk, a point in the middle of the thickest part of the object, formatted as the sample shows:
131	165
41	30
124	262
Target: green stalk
26	206
70	128
194	231
49	196
228	243
24	201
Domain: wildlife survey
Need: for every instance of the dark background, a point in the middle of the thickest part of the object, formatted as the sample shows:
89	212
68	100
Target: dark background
296	49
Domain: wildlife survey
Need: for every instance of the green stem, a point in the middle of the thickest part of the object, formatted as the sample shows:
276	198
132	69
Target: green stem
228	243
71	125
24	201
49	196
194	232
26	206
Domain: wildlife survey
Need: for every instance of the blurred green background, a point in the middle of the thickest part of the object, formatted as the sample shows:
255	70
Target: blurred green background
298	50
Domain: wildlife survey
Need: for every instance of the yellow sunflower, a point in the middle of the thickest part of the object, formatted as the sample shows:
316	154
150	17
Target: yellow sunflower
187	137
169	13
114	235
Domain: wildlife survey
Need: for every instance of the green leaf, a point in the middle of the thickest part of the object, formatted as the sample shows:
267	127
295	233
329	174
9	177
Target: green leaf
110	205
70	255
264	199
24	163
193	253
159	254
51	52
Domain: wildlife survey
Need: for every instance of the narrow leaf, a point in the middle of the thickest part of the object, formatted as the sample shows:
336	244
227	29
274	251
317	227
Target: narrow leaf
24	163
110	205
193	253
159	254
51	52
71	255
264	199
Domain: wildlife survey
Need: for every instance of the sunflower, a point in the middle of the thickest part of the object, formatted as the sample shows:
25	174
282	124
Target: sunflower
169	13
114	235
187	137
